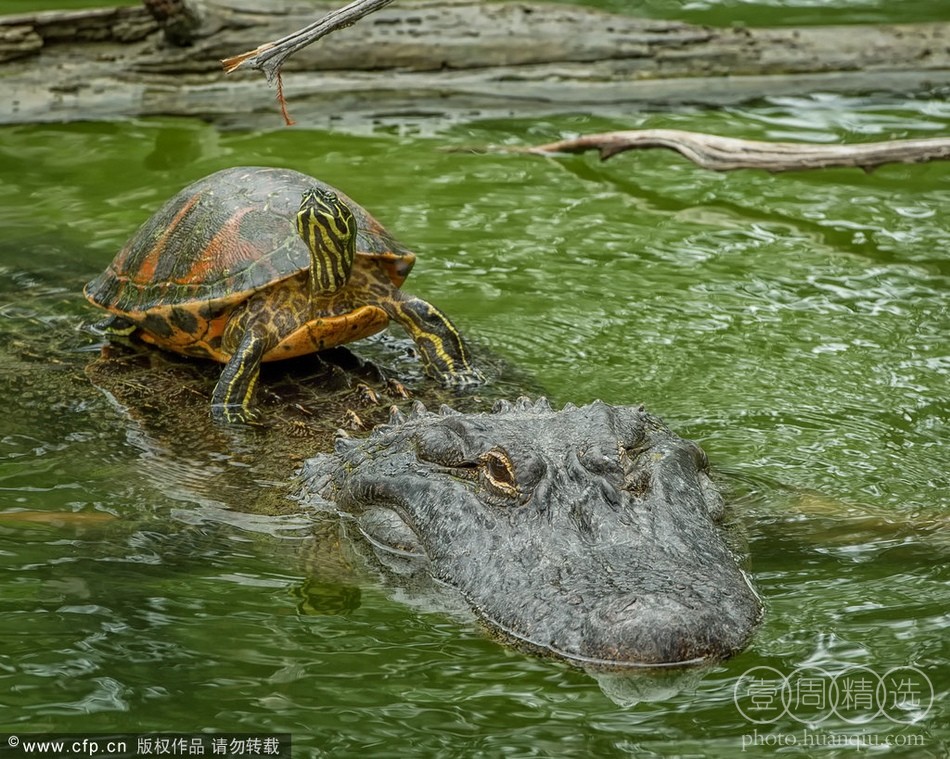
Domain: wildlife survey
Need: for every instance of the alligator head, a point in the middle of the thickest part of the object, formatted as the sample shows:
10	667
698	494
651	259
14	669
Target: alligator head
588	533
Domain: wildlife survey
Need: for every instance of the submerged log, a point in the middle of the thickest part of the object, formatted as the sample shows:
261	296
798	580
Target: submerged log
435	59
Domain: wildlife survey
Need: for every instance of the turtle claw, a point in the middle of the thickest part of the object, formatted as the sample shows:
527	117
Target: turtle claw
398	389
463	380
367	396
353	420
455	377
234	413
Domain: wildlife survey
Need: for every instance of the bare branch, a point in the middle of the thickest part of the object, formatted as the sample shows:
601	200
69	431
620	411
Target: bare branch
729	153
270	56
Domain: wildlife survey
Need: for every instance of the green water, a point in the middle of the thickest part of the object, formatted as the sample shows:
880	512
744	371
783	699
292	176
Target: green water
712	12
778	12
796	325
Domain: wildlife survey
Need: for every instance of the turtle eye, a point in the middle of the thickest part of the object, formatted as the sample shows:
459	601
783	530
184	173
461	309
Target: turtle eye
498	472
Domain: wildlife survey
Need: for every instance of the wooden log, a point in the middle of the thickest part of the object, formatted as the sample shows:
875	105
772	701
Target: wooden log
437	60
718	153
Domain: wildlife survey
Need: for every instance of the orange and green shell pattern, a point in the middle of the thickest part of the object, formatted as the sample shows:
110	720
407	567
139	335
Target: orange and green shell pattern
228	236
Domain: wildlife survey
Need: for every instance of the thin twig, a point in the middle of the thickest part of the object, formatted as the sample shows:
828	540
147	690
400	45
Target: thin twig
282	102
270	56
729	153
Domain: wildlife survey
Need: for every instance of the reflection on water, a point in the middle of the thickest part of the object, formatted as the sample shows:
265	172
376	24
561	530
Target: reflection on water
793	324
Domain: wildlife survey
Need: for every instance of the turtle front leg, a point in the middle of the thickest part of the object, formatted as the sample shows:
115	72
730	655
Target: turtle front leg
445	356
234	394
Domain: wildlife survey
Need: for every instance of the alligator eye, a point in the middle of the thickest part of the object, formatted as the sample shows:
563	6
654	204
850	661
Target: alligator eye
499	471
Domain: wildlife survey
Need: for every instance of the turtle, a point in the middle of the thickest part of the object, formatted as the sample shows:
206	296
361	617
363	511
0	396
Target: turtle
254	264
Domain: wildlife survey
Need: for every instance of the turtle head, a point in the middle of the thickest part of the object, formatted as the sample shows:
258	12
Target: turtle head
327	225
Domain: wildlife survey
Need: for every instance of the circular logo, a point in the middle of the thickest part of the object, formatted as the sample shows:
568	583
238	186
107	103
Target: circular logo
760	695
809	696
856	695
906	695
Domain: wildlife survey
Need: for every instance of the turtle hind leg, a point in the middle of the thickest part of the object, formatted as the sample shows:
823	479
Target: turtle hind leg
445	356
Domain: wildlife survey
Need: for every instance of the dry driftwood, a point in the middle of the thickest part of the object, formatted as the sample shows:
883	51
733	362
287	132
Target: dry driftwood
730	153
434	61
270	56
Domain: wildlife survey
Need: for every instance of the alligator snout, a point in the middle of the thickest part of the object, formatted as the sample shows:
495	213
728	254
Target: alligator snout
672	627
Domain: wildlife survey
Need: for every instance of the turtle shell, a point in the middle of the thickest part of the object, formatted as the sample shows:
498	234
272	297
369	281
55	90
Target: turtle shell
222	239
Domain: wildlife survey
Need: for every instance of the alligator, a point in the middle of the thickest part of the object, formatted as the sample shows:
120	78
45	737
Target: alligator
590	534
594	534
